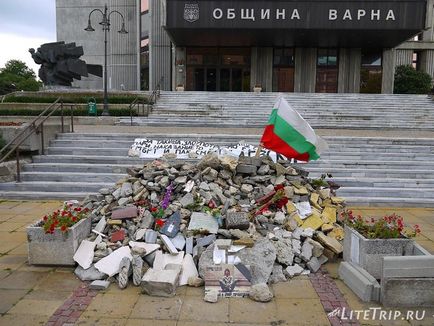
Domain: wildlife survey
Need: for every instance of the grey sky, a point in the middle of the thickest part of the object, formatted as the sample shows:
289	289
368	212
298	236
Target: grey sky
25	24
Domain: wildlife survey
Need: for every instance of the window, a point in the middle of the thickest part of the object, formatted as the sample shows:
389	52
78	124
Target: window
371	72
327	71
283	70
144	6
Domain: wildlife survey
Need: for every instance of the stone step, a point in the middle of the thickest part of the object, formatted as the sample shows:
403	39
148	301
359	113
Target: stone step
386	192
72	177
52	186
43	195
370	201
381	174
87	159
77	168
397	183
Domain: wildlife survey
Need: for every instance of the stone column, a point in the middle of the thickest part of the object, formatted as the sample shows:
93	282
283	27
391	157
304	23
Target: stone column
350	61
261	71
305	70
180	73
404	57
388	71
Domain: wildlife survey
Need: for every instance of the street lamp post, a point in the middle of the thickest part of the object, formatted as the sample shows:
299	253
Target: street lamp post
106	28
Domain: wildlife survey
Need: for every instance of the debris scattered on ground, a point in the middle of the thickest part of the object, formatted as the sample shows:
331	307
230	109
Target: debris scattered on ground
169	222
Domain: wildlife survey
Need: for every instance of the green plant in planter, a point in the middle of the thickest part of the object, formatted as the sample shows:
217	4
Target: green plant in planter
63	218
388	227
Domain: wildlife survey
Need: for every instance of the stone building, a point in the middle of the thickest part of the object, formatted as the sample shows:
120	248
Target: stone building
344	46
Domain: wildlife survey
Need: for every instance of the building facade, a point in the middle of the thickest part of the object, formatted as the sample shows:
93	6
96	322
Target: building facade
343	46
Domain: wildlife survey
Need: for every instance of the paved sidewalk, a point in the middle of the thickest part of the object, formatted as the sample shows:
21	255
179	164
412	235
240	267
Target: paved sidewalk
32	295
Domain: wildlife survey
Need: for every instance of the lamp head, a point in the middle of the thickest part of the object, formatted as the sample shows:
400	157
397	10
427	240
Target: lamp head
89	27
123	30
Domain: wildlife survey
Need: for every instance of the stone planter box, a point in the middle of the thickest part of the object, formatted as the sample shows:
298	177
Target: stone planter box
57	248
369	253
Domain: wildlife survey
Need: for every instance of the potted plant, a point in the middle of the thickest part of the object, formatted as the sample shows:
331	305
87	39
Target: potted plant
257	88
54	239
367	241
180	88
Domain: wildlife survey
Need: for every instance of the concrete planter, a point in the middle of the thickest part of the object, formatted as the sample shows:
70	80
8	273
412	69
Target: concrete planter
57	248
369	253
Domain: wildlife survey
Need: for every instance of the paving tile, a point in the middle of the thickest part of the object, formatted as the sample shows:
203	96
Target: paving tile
297	288
246	311
200	323
196	309
157	308
9	226
21	250
192	291
34	268
12	262
20	237
9	204
301	312
56	281
103	321
130	290
36	307
427	244
4	273
6	246
152	322
9	298
22	320
22	280
116	306
43	294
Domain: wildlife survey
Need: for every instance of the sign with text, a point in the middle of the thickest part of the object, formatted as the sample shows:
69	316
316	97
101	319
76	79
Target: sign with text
151	148
308	14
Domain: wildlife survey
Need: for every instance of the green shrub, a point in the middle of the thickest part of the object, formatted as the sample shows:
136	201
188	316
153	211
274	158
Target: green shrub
116	112
411	81
115	99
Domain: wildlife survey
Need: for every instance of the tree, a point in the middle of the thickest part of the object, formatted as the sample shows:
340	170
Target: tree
17	76
411	81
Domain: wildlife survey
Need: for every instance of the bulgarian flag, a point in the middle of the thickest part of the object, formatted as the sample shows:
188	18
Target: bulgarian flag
287	133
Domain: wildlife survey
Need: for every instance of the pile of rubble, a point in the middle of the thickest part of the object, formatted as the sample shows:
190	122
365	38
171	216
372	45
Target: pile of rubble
167	223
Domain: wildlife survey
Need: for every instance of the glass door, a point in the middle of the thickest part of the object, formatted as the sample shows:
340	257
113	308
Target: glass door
327	71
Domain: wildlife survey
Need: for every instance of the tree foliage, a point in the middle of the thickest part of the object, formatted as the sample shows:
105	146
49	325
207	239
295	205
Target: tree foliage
411	81
16	76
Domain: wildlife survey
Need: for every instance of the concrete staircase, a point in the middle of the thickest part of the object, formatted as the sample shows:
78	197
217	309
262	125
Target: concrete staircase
372	171
251	110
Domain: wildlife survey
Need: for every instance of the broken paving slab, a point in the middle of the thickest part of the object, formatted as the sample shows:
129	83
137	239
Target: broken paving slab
169	244
110	264
237	220
203	222
124	213
162	260
189	270
149	247
160	283
85	252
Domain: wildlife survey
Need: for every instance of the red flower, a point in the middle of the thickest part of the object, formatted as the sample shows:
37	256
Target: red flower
45	218
160	222
63	228
278	187
154	209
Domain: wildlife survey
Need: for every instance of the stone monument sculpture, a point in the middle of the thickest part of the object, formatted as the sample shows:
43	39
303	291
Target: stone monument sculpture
60	63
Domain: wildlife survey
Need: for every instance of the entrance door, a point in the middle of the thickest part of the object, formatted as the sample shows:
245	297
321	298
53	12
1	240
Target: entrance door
231	80
327	71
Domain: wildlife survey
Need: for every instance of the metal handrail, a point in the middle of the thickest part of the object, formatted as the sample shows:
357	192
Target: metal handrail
137	102
151	100
34	126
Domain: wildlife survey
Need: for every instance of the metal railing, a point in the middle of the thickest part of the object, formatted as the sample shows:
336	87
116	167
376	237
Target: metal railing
141	102
36	126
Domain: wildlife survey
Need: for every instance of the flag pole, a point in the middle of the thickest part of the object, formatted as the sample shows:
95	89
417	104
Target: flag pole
258	151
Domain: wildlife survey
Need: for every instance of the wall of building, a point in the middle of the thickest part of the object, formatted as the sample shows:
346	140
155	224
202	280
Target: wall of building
160	56
123	64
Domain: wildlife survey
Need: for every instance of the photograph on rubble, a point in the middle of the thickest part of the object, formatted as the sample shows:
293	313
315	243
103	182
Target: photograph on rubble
227	280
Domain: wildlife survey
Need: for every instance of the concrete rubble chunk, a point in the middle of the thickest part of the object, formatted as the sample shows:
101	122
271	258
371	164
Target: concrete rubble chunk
294	270
110	264
99	285
203	222
187	200
189	270
237	220
211	296
149	247
179	241
90	274
329	242
313	265
260	292
160	283
168	244
84	254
